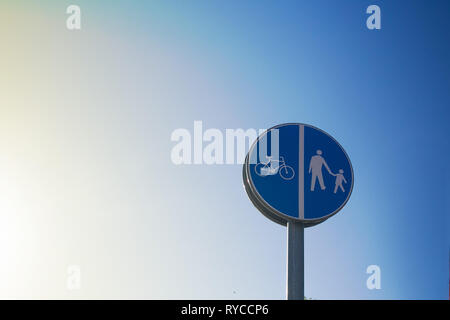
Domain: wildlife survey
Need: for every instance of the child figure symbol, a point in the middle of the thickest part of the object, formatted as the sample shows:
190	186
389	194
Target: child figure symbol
339	180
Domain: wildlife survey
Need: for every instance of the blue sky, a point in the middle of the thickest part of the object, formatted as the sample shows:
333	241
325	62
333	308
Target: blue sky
90	143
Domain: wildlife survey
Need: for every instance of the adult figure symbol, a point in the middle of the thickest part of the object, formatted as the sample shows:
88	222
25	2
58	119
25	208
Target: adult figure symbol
315	167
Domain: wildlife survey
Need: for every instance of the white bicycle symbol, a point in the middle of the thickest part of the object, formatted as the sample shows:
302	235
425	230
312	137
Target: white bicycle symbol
271	167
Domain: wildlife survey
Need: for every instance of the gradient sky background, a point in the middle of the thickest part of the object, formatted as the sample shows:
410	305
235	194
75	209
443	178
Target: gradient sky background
86	117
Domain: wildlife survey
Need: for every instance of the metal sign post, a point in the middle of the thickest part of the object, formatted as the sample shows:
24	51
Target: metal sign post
298	176
295	261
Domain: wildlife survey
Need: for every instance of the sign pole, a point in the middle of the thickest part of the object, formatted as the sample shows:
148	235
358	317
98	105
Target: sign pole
307	178
295	261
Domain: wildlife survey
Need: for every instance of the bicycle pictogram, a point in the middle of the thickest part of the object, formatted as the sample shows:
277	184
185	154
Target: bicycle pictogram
272	167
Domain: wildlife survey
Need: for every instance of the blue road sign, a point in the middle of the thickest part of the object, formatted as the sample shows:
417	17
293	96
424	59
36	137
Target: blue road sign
296	172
